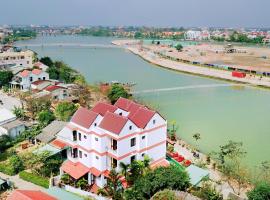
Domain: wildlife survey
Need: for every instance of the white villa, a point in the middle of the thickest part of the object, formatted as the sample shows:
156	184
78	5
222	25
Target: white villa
101	138
24	79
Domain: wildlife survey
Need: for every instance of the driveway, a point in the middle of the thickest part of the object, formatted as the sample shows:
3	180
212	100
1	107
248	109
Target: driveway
21	184
8	101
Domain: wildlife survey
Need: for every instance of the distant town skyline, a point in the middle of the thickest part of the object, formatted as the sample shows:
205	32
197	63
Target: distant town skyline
170	13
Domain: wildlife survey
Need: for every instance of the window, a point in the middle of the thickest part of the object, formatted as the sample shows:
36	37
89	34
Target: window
74	135
80	136
74	153
143	137
96	139
113	144
95	124
113	162
133	142
143	154
85	155
154	121
80	154
130	127
85	137
120	114
97	157
31	78
132	158
44	78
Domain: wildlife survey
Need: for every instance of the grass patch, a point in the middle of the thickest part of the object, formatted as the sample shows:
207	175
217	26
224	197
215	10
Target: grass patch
38	180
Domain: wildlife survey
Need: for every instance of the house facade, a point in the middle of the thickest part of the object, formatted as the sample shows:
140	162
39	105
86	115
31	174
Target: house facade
11	56
9	125
101	138
25	78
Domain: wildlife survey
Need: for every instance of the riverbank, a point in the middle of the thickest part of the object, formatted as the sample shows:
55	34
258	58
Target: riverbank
155	59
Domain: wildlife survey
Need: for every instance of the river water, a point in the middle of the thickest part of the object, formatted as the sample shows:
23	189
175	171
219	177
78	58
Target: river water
219	114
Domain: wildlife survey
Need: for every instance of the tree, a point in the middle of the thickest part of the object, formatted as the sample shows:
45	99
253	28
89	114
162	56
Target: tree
165	195
5	142
113	187
65	110
116	92
260	192
179	47
124	168
208	192
45	117
36	105
47	61
19	112
229	157
172	128
16	164
172	177
82	183
5	78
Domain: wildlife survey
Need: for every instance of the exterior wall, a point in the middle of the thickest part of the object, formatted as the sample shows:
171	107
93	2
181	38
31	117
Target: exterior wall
14	132
23	58
124	113
60	94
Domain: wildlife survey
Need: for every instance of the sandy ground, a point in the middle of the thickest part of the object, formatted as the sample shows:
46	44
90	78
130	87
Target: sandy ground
150	56
248	57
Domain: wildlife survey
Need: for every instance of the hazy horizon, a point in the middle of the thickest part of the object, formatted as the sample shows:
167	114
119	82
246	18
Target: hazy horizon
151	13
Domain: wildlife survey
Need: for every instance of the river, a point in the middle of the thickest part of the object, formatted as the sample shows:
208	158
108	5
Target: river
219	114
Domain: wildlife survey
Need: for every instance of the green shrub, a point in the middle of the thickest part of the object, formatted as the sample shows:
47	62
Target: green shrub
260	192
6	169
38	180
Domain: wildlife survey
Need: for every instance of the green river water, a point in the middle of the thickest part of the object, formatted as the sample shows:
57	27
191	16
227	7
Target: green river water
219	114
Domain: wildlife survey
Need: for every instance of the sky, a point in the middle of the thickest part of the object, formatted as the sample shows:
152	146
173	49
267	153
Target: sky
160	13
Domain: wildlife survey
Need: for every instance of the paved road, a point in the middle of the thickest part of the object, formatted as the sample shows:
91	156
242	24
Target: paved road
8	101
21	184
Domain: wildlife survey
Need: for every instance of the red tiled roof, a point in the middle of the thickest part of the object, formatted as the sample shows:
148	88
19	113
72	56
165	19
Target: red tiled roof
94	189
30	195
133	107
106	173
113	122
142	116
36	71
53	87
102	108
58	144
95	171
76	170
162	163
25	73
38	64
123	103
84	117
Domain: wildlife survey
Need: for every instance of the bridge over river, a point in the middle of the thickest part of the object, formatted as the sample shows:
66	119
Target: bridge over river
68	45
186	88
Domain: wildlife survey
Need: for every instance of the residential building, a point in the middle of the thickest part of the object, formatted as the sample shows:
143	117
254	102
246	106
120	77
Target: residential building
49	133
101	138
25	78
41	66
15	57
9	125
193	35
57	92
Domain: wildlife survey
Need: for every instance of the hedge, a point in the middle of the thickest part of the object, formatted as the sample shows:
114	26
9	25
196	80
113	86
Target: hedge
38	180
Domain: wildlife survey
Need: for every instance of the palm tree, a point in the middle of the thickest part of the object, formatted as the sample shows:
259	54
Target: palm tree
125	168
114	187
